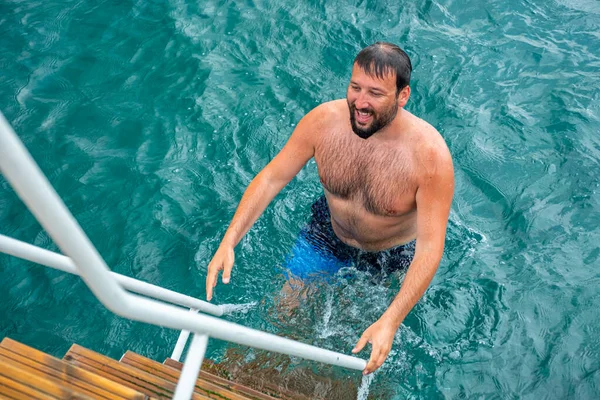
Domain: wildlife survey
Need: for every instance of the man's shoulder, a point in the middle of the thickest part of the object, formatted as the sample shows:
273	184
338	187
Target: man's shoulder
432	148
324	116
318	120
329	109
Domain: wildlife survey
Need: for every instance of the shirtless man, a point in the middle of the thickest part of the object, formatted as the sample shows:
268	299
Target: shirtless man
388	181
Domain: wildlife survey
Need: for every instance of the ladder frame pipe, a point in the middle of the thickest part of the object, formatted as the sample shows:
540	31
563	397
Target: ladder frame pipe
191	368
181	342
57	261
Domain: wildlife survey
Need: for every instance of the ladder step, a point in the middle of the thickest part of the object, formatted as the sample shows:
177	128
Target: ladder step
206	382
15	390
265	388
39	363
23	384
126	375
174	364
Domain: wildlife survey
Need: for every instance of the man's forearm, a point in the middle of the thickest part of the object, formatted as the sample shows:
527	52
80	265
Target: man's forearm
417	280
255	200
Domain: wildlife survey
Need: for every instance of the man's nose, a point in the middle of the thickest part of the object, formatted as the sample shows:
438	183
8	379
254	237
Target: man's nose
361	101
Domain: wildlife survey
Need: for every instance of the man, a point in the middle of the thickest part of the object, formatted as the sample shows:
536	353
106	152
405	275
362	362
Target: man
388	181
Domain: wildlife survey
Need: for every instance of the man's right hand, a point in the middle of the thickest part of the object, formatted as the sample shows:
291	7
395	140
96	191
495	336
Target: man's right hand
222	260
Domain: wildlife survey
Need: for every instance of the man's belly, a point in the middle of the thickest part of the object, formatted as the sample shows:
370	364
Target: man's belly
358	228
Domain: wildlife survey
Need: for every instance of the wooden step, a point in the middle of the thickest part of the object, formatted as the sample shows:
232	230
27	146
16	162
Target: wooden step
11	389
18	383
206	383
40	364
221	375
126	375
268	373
174	364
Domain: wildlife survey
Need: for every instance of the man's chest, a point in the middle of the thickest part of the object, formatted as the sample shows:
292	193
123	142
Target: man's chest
381	179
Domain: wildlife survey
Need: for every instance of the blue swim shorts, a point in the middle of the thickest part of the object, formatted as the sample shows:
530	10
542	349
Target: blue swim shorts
318	251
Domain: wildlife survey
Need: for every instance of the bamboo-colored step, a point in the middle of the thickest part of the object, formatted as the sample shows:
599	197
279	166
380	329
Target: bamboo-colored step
267	387
28	373
207	383
135	378
18	384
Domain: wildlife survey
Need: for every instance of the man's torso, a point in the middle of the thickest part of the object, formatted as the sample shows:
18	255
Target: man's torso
370	185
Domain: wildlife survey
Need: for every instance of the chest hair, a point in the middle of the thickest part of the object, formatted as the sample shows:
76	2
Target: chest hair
379	176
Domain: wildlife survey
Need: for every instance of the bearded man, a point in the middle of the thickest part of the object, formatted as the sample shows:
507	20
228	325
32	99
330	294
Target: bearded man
388	183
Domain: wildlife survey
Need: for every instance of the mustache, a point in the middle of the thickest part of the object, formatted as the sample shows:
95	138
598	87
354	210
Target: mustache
364	110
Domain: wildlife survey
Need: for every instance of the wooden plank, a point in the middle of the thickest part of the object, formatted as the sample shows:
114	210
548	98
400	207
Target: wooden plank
70	376
98	386
63	381
15	390
273	391
173	364
51	389
126	375
208	365
206	381
202	386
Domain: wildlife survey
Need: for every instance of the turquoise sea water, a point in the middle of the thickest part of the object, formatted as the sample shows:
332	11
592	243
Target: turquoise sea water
151	117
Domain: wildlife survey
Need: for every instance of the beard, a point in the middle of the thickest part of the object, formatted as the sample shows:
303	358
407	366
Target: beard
380	120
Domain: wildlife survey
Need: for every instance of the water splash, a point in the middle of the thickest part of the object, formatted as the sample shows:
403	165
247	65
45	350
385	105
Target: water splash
238	308
326	330
363	391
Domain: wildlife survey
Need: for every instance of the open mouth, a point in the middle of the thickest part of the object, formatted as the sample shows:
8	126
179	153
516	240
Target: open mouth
362	117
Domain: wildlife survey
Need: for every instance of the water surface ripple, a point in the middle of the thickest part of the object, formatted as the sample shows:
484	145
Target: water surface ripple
151	117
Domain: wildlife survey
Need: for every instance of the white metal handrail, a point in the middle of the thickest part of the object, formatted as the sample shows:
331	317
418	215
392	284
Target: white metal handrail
58	261
33	188
181	342
193	363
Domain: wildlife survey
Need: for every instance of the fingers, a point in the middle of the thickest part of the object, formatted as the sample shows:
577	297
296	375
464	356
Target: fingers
222	260
211	280
361	343
227	267
378	356
209	287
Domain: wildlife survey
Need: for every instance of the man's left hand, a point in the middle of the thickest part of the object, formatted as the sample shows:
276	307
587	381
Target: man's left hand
381	336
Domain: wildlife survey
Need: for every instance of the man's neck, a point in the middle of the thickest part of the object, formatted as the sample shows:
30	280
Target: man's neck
395	129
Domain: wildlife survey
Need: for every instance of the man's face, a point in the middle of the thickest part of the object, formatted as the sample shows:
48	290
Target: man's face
373	102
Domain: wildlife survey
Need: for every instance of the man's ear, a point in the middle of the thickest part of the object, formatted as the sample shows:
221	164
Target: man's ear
403	96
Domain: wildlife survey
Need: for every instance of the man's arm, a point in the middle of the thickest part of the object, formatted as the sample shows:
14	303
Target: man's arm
434	198
264	187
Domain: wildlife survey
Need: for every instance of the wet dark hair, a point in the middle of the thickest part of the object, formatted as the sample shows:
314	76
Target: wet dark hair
381	58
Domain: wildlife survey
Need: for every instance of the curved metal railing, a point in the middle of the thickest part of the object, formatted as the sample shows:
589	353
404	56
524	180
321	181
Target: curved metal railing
33	188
